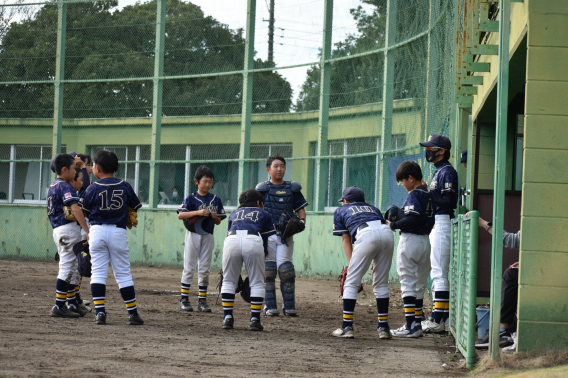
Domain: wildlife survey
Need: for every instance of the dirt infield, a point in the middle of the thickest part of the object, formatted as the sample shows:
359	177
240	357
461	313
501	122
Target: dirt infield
175	343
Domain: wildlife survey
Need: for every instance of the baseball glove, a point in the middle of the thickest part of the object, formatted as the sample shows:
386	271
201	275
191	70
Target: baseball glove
290	224
342	277
69	213
394	213
220	285
132	218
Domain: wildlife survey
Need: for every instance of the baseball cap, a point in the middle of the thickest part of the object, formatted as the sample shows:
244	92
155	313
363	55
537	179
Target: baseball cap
353	194
464	156
72	153
437	140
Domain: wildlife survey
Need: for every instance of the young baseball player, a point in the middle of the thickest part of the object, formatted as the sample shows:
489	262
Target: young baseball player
199	248
66	233
363	225
249	229
444	191
106	202
280	196
77	184
413	252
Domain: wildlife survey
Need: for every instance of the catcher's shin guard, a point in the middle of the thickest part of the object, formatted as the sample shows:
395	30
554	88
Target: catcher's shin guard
270	296
287	276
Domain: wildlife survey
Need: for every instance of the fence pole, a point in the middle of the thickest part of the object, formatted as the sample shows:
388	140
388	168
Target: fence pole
388	92
157	104
59	77
430	89
321	173
244	149
472	294
499	183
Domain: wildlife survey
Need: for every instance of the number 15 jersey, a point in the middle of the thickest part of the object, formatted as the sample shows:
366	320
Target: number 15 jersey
107	201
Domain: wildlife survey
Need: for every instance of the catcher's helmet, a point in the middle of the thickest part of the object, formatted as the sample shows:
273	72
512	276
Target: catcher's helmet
394	213
200	225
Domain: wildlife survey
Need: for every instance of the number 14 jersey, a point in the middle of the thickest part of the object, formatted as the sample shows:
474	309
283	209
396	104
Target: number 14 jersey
107	201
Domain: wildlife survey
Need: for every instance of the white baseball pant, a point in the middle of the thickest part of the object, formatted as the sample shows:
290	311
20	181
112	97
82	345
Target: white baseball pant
198	249
413	264
278	251
440	239
250	250
374	244
108	243
65	237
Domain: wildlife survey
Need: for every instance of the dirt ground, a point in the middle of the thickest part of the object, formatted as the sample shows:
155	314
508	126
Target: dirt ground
176	343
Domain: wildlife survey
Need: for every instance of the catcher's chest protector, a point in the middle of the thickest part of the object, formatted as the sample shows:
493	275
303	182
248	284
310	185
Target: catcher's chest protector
279	199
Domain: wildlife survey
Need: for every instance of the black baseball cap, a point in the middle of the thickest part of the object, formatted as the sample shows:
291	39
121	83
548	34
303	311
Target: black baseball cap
439	141
464	156
353	194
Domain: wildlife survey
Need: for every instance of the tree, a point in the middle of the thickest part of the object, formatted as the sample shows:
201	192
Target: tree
360	80
106	43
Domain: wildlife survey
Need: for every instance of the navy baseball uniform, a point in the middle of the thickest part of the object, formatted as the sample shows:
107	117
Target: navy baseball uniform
413	257
199	248
106	203
247	239
373	243
278	199
66	234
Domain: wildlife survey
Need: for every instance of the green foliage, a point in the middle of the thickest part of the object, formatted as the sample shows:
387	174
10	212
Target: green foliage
106	43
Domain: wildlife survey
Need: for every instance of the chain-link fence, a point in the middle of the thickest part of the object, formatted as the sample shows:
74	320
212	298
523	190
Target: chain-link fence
344	90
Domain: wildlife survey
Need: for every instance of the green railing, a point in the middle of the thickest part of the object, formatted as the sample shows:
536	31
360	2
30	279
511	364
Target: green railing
463	284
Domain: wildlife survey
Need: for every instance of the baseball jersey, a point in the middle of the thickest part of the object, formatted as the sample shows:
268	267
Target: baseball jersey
444	189
107	201
209	202
418	211
252	219
348	218
60	194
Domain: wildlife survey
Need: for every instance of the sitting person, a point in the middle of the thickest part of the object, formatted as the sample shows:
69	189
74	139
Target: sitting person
509	294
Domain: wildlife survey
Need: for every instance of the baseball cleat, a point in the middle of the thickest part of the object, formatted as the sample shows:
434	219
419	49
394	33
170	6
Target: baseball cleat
135	319
505	339
384	333
429	326
185	306
270	311
100	318
86	302
78	310
513	348
228	323
346	332
202	306
255	325
405	332
85	307
289	312
64	312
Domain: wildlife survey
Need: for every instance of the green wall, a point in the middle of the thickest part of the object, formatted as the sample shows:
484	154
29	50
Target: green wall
543	290
159	240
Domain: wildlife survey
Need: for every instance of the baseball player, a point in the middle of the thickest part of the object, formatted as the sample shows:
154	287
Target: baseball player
413	252
362	224
249	229
65	234
280	196
77	184
199	248
444	192
106	202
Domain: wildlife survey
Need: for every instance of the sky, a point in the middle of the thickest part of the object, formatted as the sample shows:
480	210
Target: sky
298	23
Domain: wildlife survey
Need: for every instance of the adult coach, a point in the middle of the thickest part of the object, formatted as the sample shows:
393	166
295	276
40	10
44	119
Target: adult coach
444	192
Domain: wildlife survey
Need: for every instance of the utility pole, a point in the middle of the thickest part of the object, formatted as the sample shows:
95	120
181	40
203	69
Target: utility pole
271	32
